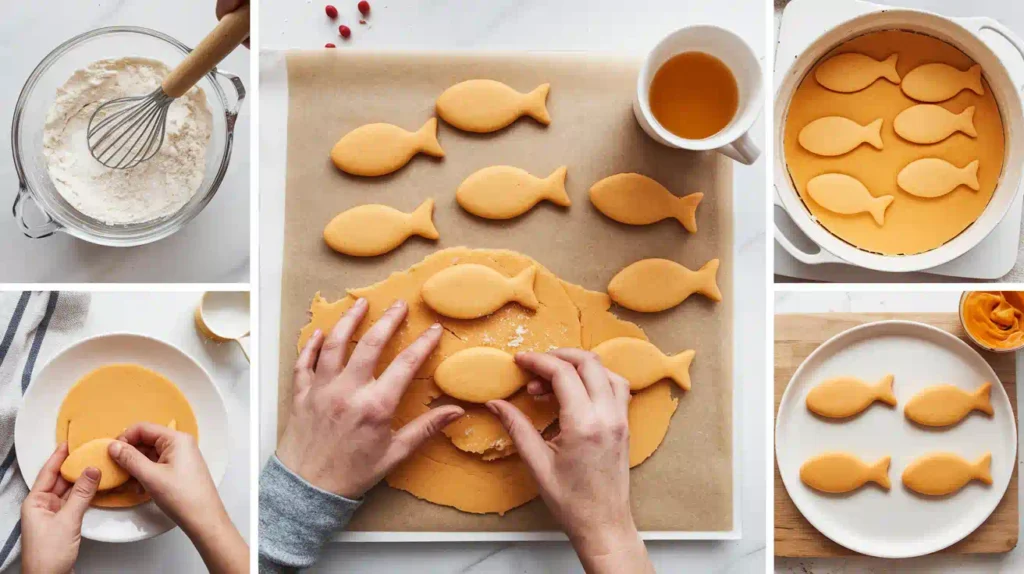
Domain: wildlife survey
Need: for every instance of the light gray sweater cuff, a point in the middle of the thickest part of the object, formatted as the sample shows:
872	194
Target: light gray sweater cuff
296	518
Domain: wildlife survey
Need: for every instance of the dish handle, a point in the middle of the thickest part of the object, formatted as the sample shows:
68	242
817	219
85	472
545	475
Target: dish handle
45	229
979	25
232	112
800	255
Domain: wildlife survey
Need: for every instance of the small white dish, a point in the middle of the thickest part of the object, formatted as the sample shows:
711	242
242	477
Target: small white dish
896	523
35	429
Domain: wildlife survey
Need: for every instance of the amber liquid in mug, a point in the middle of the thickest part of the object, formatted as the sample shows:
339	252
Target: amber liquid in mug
694	95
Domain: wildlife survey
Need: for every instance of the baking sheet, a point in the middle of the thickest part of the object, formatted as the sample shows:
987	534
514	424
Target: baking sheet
687	484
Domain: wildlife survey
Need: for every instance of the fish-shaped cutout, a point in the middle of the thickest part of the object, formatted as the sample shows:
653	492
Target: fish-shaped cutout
939	82
852	72
636	199
480	374
369	230
484	106
838	472
933	177
942	473
945	405
94	453
846	396
380	149
652	285
471	291
504	192
835	135
846	195
642	364
928	123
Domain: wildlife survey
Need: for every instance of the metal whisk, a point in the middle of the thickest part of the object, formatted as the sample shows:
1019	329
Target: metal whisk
125	132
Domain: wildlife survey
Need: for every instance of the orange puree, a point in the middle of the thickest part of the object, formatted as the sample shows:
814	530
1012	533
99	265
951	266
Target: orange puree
994	317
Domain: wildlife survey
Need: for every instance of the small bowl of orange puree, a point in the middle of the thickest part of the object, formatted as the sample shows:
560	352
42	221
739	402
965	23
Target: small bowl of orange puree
994	320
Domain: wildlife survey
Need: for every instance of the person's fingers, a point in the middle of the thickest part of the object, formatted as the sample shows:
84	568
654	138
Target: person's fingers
332	354
396	378
149	434
538	387
531	445
81	495
590	369
416	432
363	362
225	7
565	381
620	388
48	475
302	376
62	486
133	461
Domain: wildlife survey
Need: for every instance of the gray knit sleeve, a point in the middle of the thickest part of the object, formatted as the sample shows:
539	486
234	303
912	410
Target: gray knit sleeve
296	519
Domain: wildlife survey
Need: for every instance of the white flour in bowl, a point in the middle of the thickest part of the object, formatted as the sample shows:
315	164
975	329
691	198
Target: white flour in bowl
155	188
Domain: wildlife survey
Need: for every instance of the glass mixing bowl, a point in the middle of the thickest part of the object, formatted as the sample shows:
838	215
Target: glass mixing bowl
38	96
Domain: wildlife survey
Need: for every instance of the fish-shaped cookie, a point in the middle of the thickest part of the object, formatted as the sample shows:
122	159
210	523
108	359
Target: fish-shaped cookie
484	106
379	149
504	192
945	405
934	177
928	123
835	135
838	472
369	230
471	290
846	396
94	453
636	199
939	82
642	364
852	72
943	473
846	195
480	374
652	285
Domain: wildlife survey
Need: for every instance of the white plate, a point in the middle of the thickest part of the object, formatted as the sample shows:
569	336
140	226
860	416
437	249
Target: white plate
35	430
897	523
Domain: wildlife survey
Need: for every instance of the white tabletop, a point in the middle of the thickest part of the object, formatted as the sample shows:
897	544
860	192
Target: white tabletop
595	25
804	301
168	316
213	248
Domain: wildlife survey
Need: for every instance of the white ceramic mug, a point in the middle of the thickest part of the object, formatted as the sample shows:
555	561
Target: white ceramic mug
733	140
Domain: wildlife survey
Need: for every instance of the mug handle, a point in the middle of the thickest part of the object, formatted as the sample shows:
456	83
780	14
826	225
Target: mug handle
743	150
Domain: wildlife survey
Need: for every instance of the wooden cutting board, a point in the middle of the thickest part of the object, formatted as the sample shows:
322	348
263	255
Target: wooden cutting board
796	336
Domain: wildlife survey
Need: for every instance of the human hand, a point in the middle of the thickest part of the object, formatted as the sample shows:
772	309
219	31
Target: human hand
583	473
51	517
225	7
339	435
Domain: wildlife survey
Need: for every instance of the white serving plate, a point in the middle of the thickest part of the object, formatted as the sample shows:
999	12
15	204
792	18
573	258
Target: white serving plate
897	523
35	429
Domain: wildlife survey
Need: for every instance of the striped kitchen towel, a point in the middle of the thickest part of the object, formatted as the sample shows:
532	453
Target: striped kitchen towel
29	323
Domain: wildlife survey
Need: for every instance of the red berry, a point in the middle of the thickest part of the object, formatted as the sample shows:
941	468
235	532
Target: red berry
332	12
345	31
330	46
364	7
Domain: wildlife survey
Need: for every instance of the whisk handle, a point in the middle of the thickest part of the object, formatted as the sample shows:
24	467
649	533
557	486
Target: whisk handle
232	30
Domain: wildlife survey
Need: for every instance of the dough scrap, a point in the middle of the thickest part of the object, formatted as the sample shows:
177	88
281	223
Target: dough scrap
835	135
472	291
934	177
846	396
929	124
369	230
945	405
94	453
840	193
852	72
484	106
636	199
838	472
643	364
480	374
504	192
380	149
478	431
652	285
942	473
569	316
938	82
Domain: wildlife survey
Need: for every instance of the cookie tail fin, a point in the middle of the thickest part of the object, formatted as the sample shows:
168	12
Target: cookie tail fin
974	80
873	133
427	137
983	399
686	211
884	392
522	288
966	118
556	187
707	283
879	473
536	104
878	207
970	174
983	468
890	69
679	368
422	221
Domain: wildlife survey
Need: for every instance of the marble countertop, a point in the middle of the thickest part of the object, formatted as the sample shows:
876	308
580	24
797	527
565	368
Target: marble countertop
213	248
603	26
804	301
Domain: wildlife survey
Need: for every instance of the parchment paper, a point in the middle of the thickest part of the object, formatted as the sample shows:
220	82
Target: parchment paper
687	483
